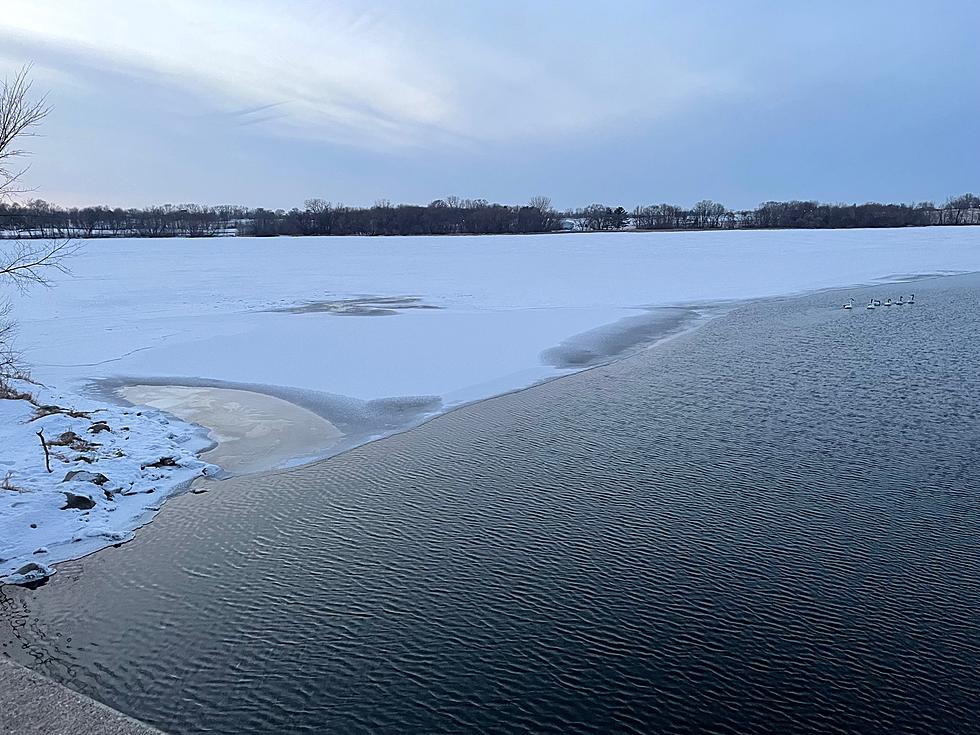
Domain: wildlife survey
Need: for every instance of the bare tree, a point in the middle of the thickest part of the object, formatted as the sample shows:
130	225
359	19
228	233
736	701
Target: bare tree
707	214
316	206
594	217
961	209
541	203
22	264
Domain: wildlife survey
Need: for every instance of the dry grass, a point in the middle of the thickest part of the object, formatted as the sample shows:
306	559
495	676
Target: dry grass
41	411
73	441
9	393
7	483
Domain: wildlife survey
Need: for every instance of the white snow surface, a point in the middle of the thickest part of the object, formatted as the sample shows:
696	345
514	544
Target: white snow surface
200	308
218	311
37	530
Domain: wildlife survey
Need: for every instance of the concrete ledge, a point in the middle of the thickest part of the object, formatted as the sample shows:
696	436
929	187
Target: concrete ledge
30	704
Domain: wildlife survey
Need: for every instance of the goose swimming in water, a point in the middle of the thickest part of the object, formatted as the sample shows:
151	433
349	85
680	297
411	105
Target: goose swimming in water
911	300
871	304
849	304
888	302
901	301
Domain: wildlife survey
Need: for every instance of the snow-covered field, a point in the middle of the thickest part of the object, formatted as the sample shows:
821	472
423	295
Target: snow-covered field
377	333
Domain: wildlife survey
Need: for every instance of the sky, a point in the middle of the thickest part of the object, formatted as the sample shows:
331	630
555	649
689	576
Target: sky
633	102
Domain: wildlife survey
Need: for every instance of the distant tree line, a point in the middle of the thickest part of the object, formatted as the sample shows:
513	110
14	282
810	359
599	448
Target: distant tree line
455	216
709	215
449	216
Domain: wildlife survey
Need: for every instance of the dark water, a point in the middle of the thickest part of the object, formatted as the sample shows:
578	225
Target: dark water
769	525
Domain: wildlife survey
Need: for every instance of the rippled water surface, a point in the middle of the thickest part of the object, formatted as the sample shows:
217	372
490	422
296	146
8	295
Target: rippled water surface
769	525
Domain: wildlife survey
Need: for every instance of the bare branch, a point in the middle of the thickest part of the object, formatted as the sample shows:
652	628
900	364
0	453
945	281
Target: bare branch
28	264
22	264
47	454
19	115
10	360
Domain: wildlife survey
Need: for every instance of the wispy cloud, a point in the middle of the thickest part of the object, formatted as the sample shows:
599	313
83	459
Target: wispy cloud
389	77
337	72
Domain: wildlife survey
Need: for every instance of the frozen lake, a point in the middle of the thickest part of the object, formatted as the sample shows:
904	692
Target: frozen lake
344	325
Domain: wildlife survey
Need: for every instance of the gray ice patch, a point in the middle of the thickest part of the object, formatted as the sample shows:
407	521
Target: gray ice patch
358	419
620	338
359	306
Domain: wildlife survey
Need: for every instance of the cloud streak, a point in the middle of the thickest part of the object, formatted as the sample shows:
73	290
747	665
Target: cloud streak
386	78
337	77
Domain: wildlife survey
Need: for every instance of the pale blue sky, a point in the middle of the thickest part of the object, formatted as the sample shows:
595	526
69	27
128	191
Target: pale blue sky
626	102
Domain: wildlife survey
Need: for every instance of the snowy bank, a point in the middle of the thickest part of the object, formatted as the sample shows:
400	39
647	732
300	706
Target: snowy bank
111	468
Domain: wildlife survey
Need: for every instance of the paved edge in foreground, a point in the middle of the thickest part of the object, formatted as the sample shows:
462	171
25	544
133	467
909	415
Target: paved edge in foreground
32	704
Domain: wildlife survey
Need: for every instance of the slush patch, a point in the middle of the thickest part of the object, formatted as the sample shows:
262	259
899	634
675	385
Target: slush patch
360	306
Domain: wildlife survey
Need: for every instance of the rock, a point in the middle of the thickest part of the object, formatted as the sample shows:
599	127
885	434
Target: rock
98	427
96	478
78	502
41	550
163	462
31	573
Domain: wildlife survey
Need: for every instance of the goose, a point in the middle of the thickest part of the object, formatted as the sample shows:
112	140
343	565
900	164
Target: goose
901	301
849	304
871	304
911	300
888	302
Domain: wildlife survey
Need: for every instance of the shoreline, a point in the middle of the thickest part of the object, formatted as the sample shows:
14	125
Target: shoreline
191	412
349	443
117	388
300	398
408	414
39	704
541	233
80	476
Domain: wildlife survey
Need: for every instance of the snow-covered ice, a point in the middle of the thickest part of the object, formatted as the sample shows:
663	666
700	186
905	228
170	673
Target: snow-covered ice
207	308
375	334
